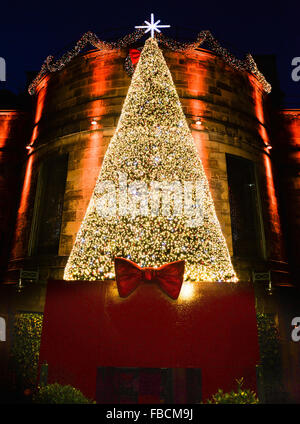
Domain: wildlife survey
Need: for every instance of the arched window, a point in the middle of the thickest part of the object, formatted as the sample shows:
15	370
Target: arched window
2	330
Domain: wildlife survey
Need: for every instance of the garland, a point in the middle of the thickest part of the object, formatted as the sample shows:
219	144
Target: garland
50	65
248	64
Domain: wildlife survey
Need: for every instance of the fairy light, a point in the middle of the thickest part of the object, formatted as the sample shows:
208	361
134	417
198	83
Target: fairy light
205	36
50	65
152	142
248	64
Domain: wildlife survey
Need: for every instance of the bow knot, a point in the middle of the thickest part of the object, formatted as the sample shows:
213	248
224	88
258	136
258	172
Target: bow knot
129	276
148	274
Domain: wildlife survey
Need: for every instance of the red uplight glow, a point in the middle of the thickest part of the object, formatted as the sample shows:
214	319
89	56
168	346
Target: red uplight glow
273	208
26	186
21	221
4	131
40	101
259	111
293	120
197	86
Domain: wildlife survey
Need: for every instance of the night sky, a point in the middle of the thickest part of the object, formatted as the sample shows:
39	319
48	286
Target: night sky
30	31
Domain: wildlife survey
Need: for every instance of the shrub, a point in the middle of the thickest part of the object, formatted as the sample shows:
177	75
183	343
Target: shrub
269	342
270	359
240	396
26	346
56	393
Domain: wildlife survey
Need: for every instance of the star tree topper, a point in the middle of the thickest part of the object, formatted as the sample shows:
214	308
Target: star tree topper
152	26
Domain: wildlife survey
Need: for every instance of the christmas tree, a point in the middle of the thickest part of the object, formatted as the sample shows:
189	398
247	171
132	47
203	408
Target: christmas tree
151	203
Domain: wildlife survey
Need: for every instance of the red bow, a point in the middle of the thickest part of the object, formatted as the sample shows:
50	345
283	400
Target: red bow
129	276
134	55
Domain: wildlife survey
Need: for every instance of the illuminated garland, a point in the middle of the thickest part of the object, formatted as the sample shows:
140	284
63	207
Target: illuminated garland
152	143
50	65
248	64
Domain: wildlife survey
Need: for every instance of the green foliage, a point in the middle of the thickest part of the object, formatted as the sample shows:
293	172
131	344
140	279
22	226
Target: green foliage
56	393
268	338
270	359
240	396
26	346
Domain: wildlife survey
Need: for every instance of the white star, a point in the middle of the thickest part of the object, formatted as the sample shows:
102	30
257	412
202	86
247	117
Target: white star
153	26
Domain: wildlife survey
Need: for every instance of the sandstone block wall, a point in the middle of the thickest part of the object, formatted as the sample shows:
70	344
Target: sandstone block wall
229	103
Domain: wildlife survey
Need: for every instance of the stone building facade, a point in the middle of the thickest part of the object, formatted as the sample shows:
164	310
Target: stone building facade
51	155
232	130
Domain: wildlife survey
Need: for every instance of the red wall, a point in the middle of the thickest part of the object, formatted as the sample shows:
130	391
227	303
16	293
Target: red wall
87	325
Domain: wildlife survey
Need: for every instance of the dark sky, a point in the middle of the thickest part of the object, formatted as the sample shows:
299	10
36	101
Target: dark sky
30	31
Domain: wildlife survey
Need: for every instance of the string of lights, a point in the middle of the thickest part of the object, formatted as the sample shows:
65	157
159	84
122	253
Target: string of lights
50	65
248	64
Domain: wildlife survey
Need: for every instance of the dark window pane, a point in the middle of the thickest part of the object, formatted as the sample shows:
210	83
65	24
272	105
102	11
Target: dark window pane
245	223
53	176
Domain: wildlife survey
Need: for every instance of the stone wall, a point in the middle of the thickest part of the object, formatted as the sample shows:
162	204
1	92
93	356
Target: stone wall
229	103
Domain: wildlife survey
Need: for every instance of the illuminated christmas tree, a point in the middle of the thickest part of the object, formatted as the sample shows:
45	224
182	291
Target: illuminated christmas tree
151	202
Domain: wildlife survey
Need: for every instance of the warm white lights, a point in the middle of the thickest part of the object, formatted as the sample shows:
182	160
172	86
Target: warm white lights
152	142
187	291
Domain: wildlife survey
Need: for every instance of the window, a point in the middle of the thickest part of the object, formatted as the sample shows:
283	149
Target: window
2	330
48	208
246	221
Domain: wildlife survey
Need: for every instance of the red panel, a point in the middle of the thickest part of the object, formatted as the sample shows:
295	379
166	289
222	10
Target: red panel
87	325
